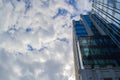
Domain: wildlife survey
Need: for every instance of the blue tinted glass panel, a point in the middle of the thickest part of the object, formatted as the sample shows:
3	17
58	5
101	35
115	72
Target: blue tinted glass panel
77	22
118	0
82	34
118	5
80	31
116	24
87	19
117	16
105	1
79	28
110	11
111	3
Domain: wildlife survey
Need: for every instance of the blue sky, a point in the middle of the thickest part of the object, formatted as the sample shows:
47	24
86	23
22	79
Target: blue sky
36	38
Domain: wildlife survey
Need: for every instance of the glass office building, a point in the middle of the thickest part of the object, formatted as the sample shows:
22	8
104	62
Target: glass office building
96	42
96	56
107	13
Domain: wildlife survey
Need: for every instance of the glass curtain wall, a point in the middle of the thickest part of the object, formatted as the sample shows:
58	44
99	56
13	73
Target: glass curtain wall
99	50
107	15
79	29
108	9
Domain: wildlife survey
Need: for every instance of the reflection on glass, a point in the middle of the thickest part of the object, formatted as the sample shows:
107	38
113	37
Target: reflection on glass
84	41
111	3
118	5
117	16
79	28
86	51
118	0
105	1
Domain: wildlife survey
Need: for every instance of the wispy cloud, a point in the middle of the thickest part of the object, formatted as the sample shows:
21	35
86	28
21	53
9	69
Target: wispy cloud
36	38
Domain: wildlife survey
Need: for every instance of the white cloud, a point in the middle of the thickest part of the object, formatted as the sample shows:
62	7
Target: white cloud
50	38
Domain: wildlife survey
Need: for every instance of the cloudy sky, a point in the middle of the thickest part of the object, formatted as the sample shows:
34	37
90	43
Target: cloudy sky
36	38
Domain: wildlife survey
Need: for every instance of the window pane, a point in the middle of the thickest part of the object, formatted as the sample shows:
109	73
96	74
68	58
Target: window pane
118	5
118	0
116	24
117	16
86	51
109	11
111	3
105	1
84	41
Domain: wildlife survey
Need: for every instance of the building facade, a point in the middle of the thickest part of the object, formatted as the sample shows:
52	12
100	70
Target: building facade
96	42
96	55
107	13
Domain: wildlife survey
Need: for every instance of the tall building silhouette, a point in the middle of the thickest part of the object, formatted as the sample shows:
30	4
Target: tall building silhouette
96	42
